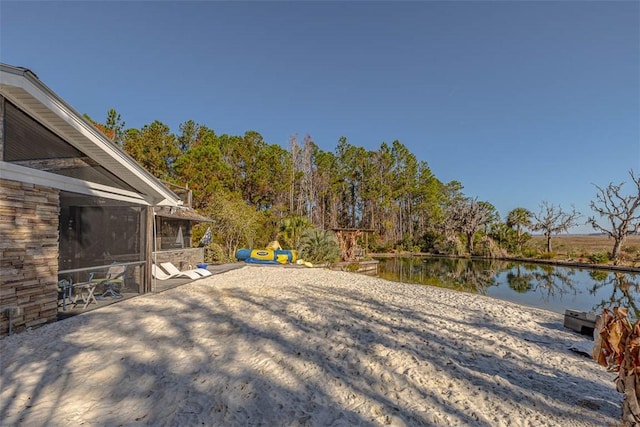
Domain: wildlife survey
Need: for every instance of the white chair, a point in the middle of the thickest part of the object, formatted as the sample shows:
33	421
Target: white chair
172	269
160	274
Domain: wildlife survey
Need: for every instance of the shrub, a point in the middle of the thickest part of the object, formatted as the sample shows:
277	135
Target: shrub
352	267
547	255
319	246
487	247
383	249
214	253
599	258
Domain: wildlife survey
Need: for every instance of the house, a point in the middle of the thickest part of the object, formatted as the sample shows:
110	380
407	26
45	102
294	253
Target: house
72	202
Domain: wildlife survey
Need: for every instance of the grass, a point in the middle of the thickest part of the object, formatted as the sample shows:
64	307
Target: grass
587	248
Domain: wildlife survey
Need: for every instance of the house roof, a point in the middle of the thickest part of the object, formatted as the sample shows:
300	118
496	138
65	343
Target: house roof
180	212
23	88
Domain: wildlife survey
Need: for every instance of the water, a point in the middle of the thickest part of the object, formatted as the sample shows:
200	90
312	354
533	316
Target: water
549	287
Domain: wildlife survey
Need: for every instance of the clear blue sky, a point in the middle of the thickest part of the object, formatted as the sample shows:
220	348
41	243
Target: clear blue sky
519	101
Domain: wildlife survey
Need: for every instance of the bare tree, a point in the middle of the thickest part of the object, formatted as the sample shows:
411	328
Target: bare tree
295	153
621	212
307	185
468	216
552	220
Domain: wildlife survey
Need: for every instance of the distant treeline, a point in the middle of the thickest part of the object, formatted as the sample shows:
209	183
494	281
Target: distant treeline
250	187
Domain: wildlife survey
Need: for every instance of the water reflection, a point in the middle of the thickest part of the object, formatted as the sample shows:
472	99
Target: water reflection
546	280
623	290
452	273
549	287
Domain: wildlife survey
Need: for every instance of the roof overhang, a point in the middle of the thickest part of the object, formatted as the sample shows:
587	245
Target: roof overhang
24	89
180	212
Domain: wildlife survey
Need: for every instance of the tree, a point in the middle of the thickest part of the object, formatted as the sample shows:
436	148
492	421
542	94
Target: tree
319	246
190	135
517	219
622	213
201	168
307	185
505	236
235	223
404	185
428	200
325	167
154	147
468	216
378	190
113	128
349	161
295	153
552	220
291	230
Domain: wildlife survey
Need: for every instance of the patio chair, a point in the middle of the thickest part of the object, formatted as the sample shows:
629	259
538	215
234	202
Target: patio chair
160	274
113	281
65	290
195	273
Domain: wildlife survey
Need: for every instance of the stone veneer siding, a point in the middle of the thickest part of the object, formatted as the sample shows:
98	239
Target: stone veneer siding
28	254
181	258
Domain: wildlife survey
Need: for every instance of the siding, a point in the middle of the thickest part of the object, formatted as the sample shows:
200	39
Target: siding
28	254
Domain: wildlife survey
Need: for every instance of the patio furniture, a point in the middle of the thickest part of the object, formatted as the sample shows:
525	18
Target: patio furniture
113	281
65	290
160	274
85	292
172	269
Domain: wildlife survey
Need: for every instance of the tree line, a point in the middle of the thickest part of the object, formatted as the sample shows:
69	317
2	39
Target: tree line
256	192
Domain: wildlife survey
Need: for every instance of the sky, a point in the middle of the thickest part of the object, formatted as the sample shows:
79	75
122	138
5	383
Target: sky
520	101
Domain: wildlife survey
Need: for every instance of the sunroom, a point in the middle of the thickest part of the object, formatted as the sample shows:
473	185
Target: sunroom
73	207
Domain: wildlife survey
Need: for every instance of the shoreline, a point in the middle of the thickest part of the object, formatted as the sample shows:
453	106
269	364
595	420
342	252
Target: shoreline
283	346
576	264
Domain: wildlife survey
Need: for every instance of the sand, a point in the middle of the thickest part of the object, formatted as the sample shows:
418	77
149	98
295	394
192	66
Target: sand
277	346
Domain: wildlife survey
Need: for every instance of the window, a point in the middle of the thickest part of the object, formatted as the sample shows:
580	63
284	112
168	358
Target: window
30	144
173	233
97	231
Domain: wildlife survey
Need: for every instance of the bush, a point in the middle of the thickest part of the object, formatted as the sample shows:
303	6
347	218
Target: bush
214	253
487	247
547	255
599	258
352	267
319	246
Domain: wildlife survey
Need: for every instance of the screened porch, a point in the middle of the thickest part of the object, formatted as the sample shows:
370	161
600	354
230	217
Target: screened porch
98	236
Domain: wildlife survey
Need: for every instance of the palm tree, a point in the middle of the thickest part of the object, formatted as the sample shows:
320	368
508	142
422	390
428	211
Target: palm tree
292	229
319	246
517	219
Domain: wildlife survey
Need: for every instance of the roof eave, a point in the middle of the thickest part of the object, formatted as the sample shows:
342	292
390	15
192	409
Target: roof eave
91	139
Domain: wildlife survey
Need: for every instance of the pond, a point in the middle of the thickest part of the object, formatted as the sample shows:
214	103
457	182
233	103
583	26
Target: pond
550	287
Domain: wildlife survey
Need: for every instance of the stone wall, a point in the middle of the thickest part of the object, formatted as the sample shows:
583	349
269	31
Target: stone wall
28	255
181	258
